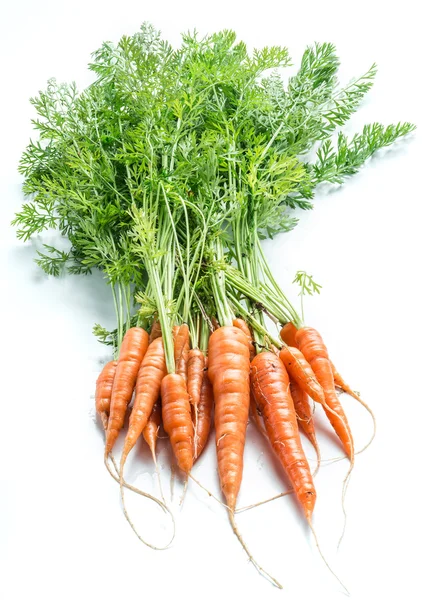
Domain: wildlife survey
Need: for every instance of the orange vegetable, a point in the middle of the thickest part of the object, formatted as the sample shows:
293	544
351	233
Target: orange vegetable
229	374
181	349
176	418
133	349
151	373
241	324
270	385
304	413
103	391
340	383
288	334
300	371
314	350
205	408
196	364
150	432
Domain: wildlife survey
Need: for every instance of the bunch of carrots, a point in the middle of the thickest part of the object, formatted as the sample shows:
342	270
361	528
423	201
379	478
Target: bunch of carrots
166	174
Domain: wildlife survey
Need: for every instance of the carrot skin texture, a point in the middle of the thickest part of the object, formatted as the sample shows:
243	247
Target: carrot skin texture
300	371
103	391
311	345
181	349
270	385
229	366
176	418
205	409
196	365
150	432
133	349
303	411
288	334
150	375
241	324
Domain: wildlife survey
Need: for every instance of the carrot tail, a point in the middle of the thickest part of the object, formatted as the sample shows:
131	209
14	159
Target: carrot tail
158	475
324	559
207	491
133	527
344	387
257	566
128	485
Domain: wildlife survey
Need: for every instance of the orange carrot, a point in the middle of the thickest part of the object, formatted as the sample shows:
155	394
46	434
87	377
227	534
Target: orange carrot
176	418
133	349
148	385
150	432
270	385
156	331
314	350
300	371
196	364
205	407
288	334
181	349
241	324
340	383
103	391
229	367
304	414
229	374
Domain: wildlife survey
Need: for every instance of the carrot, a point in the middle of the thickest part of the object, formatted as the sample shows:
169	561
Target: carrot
305	417
311	345
205	408
133	349
151	372
241	324
196	365
150	432
103	398
103	391
156	331
270	385
344	387
181	349
340	383
229	365
288	334
229	374
301	372
176	418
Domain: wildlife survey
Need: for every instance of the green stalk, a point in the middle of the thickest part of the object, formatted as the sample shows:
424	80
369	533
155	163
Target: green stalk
276	289
204	336
219	287
162	316
257	327
119	331
238	282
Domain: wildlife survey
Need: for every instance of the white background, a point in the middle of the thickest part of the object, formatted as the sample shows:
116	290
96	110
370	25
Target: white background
63	534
